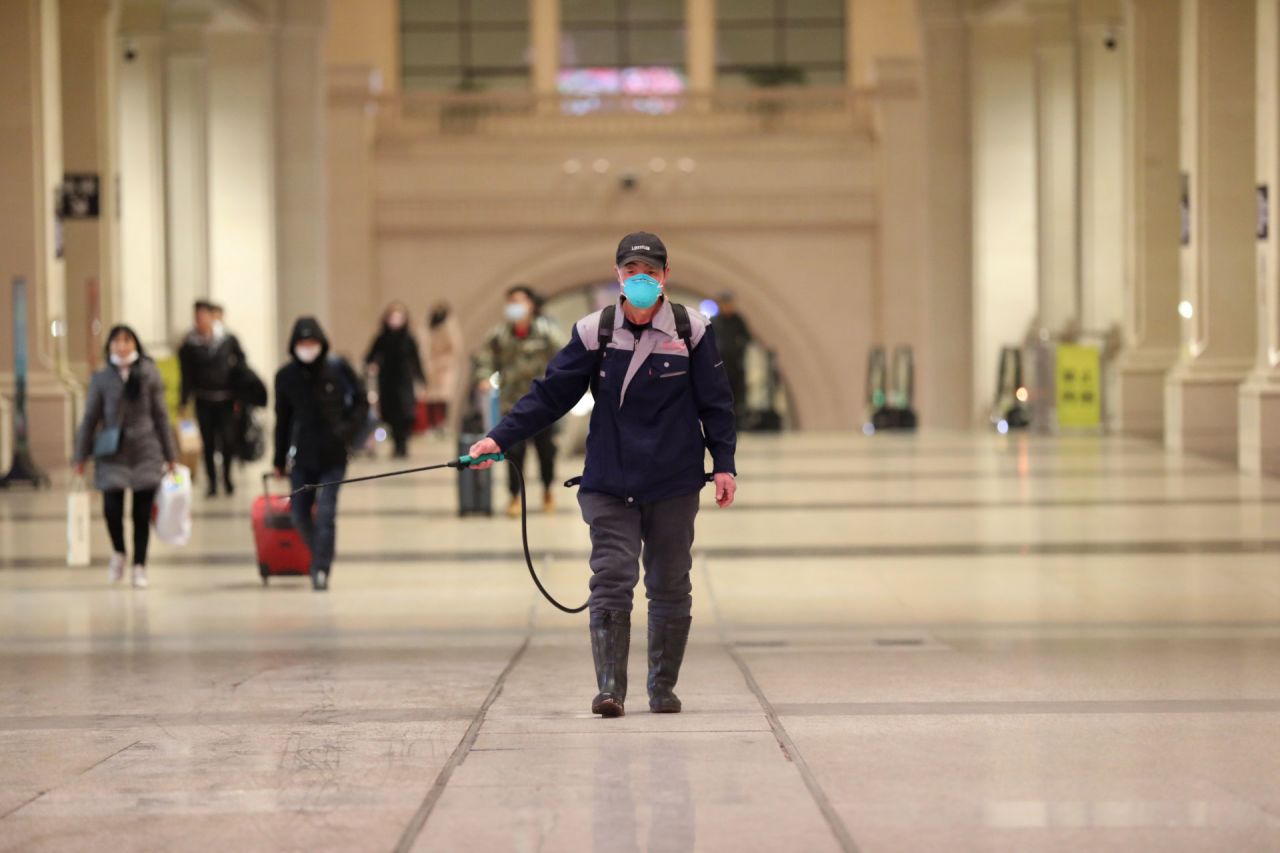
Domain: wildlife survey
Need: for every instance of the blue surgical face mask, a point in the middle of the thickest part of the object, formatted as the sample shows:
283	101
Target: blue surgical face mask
642	290
516	312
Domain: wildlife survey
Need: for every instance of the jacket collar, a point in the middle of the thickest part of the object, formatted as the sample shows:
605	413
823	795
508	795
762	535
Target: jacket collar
664	321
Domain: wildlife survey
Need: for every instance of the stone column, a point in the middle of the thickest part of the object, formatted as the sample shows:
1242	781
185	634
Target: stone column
947	396
700	44
140	295
1260	396
187	184
544	27
242	187
31	173
1218	154
1057	162
87	58
349	212
1101	52
900	282
302	266
1150	45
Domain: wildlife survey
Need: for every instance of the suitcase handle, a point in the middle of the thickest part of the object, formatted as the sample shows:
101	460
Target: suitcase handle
266	490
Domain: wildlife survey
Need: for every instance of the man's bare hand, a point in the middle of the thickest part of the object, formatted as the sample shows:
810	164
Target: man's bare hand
726	488
481	448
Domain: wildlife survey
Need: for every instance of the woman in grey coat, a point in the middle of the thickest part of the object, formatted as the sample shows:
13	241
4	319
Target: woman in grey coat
128	393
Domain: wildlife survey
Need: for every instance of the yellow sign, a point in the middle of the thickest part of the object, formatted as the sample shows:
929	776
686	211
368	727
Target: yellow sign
1079	384
172	375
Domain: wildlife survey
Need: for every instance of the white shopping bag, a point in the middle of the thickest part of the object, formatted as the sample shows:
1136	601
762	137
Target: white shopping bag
173	507
78	524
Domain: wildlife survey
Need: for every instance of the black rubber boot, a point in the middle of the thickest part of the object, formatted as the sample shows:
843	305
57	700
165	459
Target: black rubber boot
667	640
610	644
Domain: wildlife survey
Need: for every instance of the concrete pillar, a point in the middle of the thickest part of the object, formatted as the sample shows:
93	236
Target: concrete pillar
947	394
302	266
700	44
1057	162
31	173
900	286
187	186
242	181
544	24
1259	432
141	297
1150	47
349	206
1218	154
87	61
1004	198
1101	52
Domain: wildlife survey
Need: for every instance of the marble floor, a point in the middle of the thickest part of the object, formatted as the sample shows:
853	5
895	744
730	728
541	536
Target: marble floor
940	642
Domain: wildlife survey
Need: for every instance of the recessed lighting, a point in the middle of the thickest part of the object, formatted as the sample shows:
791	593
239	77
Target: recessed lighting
601	166
1186	309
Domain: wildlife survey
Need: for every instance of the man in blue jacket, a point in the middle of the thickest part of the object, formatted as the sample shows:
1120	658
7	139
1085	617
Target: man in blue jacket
662	400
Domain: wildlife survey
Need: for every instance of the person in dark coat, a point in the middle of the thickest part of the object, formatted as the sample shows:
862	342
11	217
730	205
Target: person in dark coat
209	358
395	358
128	395
733	336
321	407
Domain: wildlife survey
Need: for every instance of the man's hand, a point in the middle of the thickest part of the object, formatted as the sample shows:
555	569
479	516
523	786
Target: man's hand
726	488
278	473
482	447
79	468
170	467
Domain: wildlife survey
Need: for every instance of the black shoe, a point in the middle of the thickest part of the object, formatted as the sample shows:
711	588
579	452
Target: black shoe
610	644
212	491
667	641
320	581
229	489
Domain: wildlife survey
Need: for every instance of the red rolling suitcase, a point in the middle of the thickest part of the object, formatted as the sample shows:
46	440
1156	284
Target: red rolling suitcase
281	550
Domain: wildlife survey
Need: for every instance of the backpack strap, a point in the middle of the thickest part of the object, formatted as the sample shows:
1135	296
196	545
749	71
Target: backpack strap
684	328
604	334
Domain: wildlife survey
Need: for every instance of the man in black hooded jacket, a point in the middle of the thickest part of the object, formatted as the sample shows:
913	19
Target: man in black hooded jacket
321	406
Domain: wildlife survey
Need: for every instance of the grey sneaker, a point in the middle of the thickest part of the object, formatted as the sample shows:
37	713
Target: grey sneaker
115	569
320	583
140	577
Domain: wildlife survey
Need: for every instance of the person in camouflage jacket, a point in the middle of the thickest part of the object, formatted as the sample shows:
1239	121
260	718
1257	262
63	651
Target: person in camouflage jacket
519	350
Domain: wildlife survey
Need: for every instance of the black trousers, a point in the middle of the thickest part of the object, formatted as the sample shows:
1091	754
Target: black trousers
217	430
545	443
113	509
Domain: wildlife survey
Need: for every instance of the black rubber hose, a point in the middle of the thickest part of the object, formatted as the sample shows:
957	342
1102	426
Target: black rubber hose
528	558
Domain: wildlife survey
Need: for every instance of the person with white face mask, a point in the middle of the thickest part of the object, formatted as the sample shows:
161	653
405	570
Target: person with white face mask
127	434
395	358
519	351
321	405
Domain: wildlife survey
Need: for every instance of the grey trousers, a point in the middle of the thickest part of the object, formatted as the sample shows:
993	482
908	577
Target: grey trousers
622	536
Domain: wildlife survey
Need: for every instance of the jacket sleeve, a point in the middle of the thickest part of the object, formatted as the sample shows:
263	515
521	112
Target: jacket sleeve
715	403
93	408
160	416
416	362
185	368
567	378
284	423
485	359
374	355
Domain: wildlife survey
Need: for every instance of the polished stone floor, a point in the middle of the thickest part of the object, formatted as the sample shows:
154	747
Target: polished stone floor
943	642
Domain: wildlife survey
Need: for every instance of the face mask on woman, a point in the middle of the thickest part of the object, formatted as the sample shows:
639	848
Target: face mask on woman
124	360
517	312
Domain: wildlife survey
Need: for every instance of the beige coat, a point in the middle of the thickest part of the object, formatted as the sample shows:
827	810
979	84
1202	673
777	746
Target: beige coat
444	360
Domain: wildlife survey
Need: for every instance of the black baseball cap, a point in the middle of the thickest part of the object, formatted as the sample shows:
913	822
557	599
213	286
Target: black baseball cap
642	246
